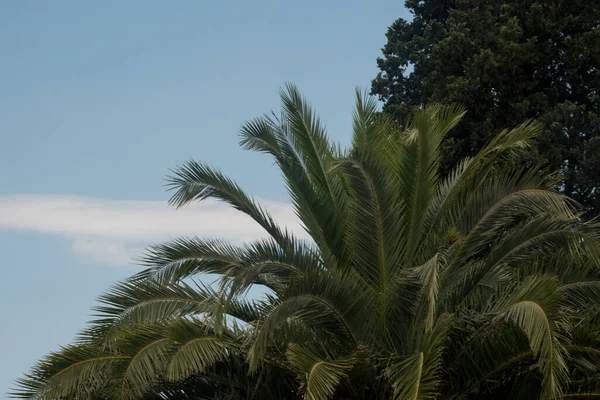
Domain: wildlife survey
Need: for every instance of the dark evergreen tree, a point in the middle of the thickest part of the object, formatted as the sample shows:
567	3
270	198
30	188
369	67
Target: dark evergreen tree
505	61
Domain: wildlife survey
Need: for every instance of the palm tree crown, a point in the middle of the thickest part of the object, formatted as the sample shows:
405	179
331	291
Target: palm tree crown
481	284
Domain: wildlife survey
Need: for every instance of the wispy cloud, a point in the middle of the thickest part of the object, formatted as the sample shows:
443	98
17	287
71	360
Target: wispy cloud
105	231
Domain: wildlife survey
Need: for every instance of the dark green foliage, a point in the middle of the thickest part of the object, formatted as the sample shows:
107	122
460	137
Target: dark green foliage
505	61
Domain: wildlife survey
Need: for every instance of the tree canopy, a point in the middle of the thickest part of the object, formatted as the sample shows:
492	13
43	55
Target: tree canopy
480	284
506	61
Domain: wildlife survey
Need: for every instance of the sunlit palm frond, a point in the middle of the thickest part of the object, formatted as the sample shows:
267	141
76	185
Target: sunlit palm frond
321	376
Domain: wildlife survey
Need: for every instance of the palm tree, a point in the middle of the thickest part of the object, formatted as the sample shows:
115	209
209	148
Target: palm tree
484	284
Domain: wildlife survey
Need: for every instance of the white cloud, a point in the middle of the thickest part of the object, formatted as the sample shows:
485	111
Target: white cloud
107	231
107	251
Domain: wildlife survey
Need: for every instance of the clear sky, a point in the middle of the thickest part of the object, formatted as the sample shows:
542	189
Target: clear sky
99	99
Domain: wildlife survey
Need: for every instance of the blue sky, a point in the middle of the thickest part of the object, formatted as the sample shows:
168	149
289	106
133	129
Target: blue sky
99	99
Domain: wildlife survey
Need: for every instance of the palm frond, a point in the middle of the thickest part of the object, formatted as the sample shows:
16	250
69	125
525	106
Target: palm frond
71	372
322	376
195	181
536	313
